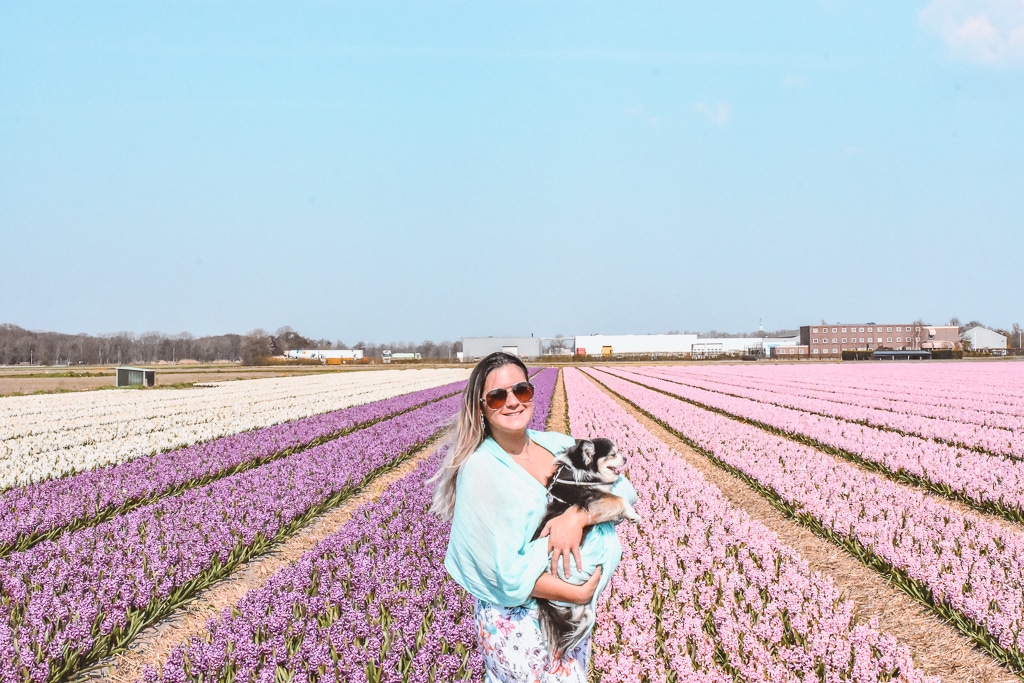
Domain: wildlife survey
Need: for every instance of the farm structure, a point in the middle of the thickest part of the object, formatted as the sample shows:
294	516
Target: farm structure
325	355
135	377
983	339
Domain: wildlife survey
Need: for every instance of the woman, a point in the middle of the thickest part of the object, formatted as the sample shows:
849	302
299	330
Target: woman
492	486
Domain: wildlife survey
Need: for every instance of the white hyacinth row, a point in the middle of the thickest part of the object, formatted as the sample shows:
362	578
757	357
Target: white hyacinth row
45	436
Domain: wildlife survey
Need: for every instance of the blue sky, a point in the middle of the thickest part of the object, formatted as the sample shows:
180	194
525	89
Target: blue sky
409	171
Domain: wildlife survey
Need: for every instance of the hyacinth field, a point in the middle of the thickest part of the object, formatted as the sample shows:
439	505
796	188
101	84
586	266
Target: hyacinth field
117	508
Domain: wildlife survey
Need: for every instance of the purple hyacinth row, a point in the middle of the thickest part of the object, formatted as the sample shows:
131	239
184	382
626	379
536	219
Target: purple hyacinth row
39	510
74	598
989	482
544	389
370	603
700	580
968	568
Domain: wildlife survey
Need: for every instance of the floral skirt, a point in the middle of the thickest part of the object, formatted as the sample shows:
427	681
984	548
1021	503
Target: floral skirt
514	652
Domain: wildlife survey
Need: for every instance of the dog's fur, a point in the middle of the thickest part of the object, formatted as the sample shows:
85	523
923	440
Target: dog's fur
584	478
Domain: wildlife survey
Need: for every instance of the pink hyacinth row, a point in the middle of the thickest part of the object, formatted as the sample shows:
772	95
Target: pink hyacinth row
984	480
988	387
893	390
706	594
972	565
965	422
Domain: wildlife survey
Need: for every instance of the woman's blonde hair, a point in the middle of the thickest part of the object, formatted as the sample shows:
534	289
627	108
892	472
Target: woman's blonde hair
467	432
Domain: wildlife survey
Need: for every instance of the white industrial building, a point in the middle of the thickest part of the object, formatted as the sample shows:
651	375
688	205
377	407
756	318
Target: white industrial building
475	348
983	339
630	344
643	346
677	345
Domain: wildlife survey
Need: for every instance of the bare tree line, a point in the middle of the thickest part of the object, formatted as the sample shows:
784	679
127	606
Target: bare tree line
18	345
21	346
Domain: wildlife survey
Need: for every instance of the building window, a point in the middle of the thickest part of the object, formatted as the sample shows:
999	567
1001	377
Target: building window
888	329
898	340
844	340
862	339
844	329
870	340
814	341
897	329
834	340
861	330
834	330
835	350
870	330
814	350
888	340
814	330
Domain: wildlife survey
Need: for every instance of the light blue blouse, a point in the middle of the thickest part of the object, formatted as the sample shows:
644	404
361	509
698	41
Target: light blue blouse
498	506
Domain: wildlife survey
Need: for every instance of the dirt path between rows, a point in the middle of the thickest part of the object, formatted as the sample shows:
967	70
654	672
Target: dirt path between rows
155	643
938	648
558	414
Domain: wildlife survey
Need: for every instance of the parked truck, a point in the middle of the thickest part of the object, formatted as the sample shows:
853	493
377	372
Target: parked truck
386	356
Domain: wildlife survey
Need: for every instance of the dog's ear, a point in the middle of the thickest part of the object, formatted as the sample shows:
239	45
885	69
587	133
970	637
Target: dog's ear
586	450
604	447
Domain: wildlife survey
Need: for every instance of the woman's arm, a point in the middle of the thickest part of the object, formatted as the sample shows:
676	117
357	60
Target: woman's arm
550	587
565	533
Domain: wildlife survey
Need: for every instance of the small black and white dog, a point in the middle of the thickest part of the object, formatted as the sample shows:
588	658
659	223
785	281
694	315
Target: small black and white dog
584	478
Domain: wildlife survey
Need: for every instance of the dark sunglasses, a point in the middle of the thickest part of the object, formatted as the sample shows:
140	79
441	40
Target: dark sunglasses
495	398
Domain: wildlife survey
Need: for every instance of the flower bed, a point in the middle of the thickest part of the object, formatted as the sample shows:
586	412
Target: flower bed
72	600
705	593
959	425
990	483
47	508
968	569
370	603
47	436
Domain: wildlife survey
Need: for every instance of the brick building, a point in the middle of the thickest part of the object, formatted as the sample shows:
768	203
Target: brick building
829	341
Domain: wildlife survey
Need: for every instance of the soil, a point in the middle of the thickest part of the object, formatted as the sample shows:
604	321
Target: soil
37	380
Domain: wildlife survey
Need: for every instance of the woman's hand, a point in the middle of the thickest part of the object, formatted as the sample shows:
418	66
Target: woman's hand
550	587
565	533
587	590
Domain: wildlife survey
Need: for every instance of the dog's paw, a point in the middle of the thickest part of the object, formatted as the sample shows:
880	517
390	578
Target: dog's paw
631	515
